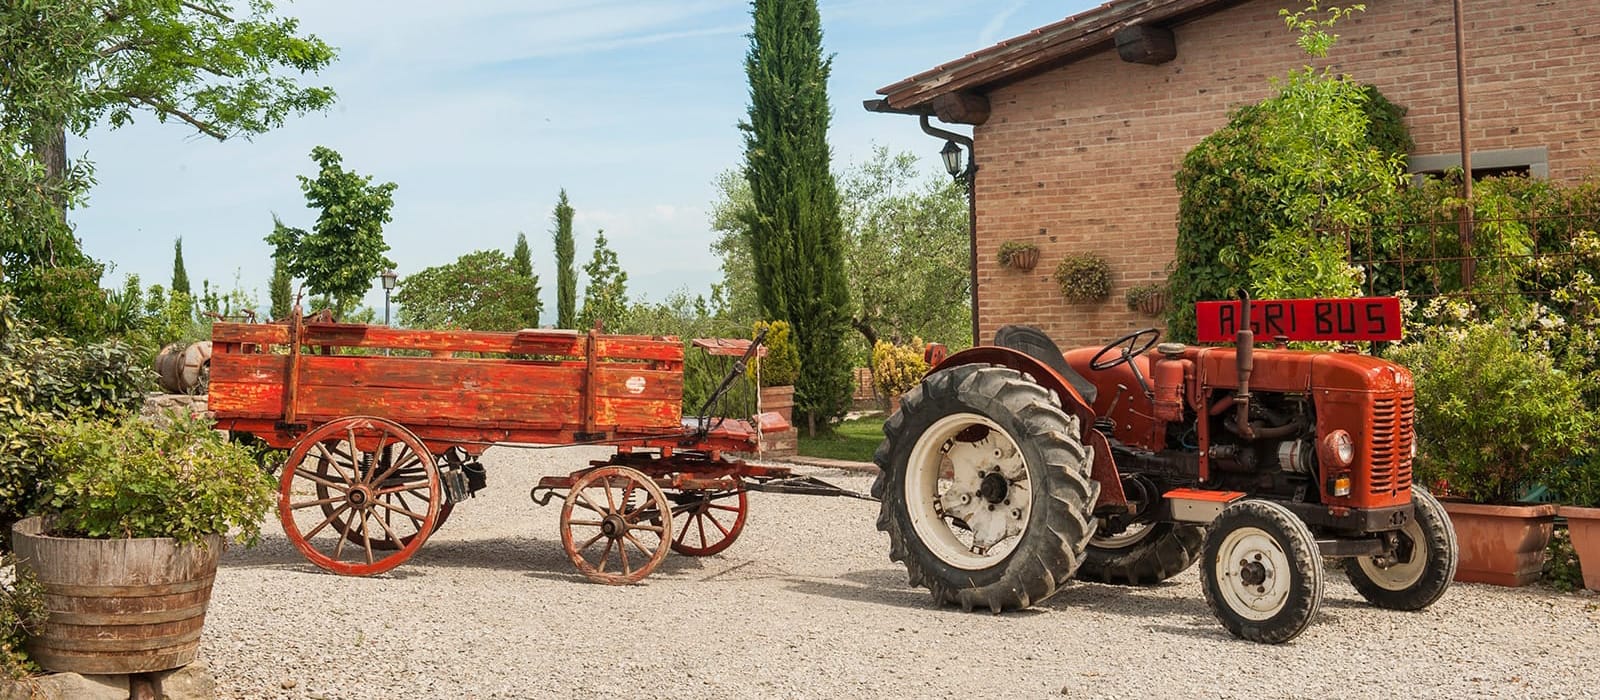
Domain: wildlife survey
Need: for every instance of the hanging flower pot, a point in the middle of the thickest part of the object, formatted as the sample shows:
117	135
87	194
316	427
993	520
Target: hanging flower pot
1019	255
1148	299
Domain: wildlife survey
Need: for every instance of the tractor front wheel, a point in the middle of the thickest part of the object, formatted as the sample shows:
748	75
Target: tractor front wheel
1262	572
985	488
1420	572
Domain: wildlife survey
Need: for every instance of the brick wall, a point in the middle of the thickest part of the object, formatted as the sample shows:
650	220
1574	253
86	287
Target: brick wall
1082	157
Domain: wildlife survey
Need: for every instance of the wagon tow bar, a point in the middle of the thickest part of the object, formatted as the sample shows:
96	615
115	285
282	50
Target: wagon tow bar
806	486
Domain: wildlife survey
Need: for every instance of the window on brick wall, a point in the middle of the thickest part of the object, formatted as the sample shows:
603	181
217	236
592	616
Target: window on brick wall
1527	162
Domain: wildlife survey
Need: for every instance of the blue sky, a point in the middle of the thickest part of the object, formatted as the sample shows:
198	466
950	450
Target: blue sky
481	111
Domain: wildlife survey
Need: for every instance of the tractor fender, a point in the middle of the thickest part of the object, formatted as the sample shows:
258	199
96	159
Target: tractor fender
1104	468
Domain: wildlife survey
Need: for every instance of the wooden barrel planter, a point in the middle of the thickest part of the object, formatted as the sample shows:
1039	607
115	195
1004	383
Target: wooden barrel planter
117	606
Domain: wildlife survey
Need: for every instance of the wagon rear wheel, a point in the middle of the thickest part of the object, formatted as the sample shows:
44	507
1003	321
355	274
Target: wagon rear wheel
614	525
359	495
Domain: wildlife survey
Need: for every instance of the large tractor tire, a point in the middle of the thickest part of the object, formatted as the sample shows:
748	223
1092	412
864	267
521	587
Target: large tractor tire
1144	554
985	489
1424	568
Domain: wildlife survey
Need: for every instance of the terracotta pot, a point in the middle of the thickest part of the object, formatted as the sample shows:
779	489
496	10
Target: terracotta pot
1584	525
1501	545
1024	260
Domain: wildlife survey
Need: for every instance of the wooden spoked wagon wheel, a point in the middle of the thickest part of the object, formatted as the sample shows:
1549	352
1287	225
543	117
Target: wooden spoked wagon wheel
401	476
707	521
359	495
614	525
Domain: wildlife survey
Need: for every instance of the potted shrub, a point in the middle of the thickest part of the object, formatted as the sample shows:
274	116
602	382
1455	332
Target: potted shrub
897	368
1578	484
1084	278
126	543
1492	418
1148	299
1018	255
775	374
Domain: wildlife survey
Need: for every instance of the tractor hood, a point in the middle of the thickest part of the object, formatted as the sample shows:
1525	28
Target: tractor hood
1297	371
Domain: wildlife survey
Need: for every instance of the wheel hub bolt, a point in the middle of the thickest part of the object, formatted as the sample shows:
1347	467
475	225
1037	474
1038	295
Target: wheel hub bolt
1016	513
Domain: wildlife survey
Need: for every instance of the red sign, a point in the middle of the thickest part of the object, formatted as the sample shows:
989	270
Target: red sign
1340	320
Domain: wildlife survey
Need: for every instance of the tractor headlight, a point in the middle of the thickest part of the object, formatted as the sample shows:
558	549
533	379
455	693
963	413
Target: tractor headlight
1339	448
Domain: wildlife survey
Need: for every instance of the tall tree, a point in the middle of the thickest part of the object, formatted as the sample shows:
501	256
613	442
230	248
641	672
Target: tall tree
44	47
566	274
907	263
344	252
522	256
796	239
281	290
221	67
180	276
482	290
605	297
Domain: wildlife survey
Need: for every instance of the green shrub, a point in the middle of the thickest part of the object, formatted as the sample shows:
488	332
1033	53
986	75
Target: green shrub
897	368
22	614
133	479
1084	278
1492	416
781	366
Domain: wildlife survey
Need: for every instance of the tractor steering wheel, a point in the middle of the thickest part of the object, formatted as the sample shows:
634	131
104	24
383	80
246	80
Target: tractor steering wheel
1130	346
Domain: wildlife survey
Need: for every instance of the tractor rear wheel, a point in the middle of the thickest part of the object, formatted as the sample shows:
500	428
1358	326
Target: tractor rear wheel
985	488
1423	568
1143	554
1262	572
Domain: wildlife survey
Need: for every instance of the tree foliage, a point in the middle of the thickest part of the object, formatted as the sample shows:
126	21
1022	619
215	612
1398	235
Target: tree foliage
482	290
45	48
566	273
280	290
344	252
605	297
522	256
796	238
1262	199
223	68
907	252
180	276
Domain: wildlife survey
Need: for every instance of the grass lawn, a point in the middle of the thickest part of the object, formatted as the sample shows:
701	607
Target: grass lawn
852	440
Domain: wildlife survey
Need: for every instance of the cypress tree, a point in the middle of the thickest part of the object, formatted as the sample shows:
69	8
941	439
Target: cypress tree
180	277
566	274
522	257
796	238
280	290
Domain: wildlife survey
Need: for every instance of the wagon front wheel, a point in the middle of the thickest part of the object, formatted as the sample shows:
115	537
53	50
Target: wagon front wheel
615	525
708	521
359	495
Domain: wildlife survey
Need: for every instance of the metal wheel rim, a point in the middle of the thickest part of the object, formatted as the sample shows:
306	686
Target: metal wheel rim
925	491
647	521
1131	535
335	448
1400	575
1256	602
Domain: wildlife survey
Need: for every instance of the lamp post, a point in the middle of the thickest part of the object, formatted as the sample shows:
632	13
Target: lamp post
966	172
388	278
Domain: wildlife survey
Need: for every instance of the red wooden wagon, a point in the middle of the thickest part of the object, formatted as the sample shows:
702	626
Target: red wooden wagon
385	426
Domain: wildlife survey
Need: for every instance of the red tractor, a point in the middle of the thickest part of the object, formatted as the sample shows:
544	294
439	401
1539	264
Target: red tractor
1012	468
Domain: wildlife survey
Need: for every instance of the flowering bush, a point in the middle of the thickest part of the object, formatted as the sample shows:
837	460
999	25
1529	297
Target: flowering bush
1493	415
897	368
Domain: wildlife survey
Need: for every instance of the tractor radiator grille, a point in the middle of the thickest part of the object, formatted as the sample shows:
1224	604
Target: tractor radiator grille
1392	419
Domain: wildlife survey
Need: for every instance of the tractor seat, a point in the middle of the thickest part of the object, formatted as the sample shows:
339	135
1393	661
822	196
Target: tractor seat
1033	342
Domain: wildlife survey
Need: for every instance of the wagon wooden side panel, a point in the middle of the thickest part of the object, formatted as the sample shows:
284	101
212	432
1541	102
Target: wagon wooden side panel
533	386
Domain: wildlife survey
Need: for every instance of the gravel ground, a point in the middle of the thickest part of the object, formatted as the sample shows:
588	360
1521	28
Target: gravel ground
807	604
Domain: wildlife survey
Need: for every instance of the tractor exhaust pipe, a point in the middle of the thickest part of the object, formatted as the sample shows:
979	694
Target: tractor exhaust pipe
1245	343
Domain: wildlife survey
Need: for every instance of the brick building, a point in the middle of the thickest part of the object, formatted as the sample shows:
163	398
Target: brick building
1078	126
